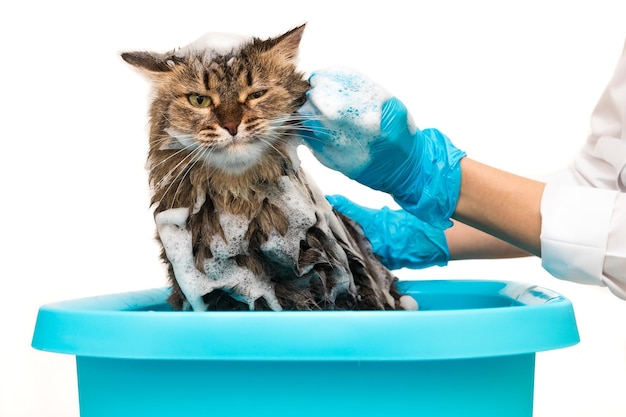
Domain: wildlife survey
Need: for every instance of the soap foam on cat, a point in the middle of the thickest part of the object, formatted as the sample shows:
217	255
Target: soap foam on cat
301	216
215	43
346	101
177	242
221	271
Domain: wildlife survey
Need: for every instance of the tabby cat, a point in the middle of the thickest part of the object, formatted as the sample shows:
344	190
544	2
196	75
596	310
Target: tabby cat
241	225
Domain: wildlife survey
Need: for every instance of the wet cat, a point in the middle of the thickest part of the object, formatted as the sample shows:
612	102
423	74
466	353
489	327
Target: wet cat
241	225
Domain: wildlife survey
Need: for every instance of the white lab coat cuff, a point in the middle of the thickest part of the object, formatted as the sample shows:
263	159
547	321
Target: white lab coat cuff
576	222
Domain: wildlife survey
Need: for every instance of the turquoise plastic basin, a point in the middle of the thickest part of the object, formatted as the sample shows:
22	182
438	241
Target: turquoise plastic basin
468	351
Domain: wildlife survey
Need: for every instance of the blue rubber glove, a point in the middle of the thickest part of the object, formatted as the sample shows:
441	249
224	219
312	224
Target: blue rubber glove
354	126
400	239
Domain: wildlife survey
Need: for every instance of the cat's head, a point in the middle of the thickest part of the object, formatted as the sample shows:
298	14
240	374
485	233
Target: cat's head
223	99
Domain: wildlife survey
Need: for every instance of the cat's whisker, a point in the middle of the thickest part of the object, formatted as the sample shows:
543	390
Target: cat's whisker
299	125
312	132
271	140
197	156
171	178
174	155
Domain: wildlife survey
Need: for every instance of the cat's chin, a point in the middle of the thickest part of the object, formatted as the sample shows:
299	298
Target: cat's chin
236	159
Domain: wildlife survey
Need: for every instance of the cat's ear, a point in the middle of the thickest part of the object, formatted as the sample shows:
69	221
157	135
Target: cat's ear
150	62
288	43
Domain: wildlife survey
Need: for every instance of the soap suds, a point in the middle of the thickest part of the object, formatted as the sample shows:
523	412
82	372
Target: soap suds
176	239
240	282
221	271
301	216
351	106
214	43
408	303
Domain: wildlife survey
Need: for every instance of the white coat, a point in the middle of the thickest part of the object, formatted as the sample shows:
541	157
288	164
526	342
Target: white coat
583	208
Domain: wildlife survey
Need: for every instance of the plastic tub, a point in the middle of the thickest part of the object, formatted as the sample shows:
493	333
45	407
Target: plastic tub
469	351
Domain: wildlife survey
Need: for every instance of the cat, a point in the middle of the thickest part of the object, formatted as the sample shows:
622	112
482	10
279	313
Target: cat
241	225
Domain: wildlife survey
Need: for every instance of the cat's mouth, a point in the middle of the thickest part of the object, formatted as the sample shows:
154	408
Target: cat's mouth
233	155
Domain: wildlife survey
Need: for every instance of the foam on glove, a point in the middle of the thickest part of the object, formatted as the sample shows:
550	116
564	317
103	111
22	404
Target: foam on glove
356	127
351	105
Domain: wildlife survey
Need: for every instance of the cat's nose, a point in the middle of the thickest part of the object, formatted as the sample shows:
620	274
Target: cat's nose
231	127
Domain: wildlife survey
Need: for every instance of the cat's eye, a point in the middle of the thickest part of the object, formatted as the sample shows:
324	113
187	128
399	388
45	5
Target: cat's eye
256	94
197	100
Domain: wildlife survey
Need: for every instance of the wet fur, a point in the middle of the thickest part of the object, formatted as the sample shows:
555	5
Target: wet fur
192	179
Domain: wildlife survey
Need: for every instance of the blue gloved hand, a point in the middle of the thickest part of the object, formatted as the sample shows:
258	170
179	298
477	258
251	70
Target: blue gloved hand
400	239
354	126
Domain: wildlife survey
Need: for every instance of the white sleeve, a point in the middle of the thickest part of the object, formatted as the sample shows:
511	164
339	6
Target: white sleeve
583	235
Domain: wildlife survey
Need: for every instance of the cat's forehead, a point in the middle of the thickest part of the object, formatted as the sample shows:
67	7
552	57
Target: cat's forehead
214	43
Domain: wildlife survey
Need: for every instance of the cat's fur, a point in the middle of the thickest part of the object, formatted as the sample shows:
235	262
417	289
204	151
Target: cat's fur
222	145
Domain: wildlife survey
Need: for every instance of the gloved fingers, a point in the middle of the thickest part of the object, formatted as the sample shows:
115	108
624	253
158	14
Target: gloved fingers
370	220
432	195
396	126
394	116
338	201
362	215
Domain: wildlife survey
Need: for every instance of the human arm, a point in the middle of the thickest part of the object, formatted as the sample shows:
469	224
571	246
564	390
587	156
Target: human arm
582	209
466	242
501	204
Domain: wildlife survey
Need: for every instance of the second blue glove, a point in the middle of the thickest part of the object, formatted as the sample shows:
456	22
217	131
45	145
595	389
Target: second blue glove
397	237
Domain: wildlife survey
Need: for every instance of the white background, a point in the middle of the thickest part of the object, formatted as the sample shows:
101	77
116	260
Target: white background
512	83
